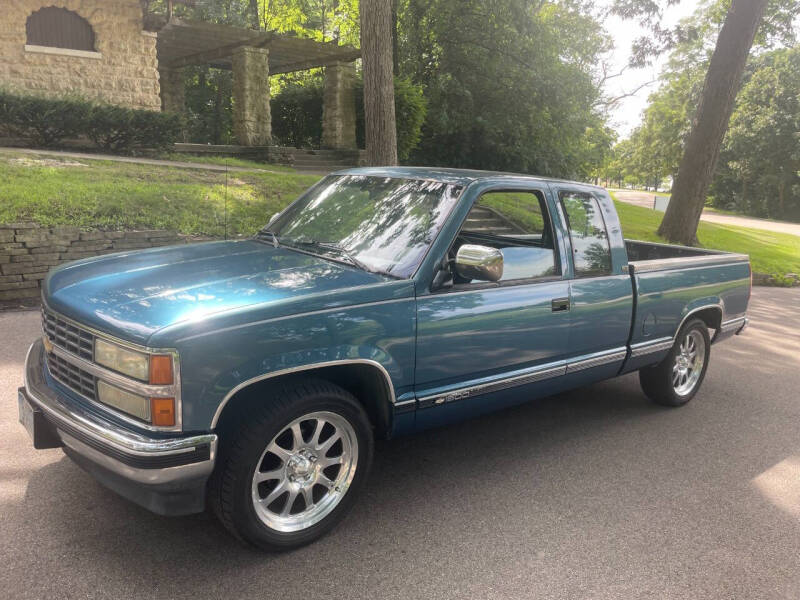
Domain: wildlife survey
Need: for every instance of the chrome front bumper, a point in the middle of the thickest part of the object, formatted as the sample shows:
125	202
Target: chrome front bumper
166	475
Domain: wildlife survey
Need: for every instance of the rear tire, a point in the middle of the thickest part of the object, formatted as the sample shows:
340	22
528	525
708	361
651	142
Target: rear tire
294	467
675	380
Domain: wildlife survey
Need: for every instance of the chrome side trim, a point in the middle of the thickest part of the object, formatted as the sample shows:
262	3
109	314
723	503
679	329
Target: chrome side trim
686	262
532	375
613	356
651	347
737	323
104	432
356	361
697	310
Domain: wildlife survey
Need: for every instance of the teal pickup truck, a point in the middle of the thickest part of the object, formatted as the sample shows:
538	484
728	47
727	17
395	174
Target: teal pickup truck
254	375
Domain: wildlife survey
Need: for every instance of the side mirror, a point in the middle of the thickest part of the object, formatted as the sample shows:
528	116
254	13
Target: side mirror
479	262
272	220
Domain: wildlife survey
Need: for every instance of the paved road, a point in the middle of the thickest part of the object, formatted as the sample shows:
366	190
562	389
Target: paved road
591	494
646	199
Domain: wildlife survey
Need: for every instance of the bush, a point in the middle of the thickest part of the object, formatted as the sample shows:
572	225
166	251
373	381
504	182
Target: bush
49	121
44	121
297	115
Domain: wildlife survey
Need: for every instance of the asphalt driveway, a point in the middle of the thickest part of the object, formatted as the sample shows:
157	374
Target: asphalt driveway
591	494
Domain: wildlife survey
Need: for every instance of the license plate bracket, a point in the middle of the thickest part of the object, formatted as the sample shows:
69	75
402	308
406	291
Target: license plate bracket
42	433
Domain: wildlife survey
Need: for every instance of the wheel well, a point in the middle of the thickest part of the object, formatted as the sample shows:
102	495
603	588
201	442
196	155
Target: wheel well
711	316
366	382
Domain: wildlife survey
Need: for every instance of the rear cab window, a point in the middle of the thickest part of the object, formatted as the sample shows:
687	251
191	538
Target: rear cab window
591	251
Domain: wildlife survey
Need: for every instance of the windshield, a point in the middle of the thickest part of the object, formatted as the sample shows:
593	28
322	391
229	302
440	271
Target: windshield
379	224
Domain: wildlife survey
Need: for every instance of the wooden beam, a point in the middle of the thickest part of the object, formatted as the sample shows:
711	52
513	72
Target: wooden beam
310	64
206	56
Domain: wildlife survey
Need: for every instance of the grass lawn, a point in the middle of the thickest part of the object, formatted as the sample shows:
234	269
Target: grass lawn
772	253
111	195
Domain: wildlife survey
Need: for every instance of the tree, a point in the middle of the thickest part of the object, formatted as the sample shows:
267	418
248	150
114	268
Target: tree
380	130
711	121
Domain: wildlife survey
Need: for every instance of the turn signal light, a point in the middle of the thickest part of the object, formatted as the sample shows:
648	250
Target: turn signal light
161	369
162	412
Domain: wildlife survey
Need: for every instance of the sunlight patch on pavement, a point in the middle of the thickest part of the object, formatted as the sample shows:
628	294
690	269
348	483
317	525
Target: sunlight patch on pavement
780	485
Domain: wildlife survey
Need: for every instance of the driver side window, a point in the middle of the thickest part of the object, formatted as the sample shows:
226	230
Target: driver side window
517	224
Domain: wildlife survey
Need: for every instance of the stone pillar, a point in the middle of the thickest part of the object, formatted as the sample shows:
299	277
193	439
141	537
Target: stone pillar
173	93
339	106
252	123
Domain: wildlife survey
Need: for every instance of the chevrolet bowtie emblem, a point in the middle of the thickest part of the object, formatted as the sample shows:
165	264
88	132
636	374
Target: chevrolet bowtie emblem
48	345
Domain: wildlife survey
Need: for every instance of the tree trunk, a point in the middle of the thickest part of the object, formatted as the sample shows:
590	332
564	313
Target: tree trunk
380	130
395	53
255	21
711	121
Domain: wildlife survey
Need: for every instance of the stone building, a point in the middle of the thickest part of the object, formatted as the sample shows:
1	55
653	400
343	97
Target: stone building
94	48
109	50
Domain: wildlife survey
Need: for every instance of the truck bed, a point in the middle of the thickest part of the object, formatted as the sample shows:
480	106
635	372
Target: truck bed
651	256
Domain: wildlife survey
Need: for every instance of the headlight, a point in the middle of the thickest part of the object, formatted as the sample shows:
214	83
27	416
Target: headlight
129	403
128	362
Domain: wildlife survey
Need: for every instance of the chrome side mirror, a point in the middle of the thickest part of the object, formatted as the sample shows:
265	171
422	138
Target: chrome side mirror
272	220
479	262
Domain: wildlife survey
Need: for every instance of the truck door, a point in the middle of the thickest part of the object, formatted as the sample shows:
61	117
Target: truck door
477	337
601	297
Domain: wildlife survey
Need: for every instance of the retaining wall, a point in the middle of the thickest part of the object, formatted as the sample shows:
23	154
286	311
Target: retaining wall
28	251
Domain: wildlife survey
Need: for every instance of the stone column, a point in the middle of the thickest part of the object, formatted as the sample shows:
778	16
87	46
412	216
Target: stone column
252	123
173	93
339	106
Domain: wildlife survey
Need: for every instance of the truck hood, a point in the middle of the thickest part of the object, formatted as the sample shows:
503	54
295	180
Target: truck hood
135	294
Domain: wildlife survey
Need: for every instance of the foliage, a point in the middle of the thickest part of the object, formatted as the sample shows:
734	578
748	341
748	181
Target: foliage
510	85
410	108
44	121
49	121
759	170
297	114
209	109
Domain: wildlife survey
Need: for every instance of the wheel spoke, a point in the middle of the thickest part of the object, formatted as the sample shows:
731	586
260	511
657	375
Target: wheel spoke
297	437
317	432
324	481
279	474
326	445
308	497
289	503
326	462
280	452
273	495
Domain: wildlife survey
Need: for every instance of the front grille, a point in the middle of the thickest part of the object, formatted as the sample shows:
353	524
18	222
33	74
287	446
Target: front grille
67	336
67	374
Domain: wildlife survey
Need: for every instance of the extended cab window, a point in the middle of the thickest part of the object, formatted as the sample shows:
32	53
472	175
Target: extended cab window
517	224
587	230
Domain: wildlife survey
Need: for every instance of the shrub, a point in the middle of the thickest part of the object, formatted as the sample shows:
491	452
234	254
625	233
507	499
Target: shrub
297	115
45	121
49	121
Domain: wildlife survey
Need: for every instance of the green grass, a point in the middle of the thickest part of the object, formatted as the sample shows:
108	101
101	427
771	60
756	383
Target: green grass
772	253
112	195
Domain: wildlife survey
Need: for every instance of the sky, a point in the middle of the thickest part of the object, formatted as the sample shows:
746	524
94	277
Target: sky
627	114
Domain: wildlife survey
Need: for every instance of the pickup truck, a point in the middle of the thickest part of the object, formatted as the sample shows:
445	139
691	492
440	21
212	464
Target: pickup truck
253	376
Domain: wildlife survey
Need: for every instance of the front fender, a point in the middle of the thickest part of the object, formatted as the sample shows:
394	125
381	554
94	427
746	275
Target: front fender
219	363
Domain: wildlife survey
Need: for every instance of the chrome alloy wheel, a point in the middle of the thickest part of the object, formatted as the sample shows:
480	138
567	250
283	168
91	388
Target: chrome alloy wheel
688	365
305	471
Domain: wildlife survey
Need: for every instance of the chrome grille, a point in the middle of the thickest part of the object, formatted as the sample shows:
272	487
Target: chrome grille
67	336
67	374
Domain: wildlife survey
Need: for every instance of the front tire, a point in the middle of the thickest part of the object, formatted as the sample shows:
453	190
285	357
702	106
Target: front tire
295	467
675	380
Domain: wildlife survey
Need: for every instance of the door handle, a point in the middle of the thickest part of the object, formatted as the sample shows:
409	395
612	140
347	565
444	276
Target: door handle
559	304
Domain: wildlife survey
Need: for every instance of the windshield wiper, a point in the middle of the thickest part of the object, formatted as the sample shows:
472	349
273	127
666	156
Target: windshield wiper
337	248
267	232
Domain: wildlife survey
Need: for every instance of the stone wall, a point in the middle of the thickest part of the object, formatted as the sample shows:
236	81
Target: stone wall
28	251
339	107
123	70
252	123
